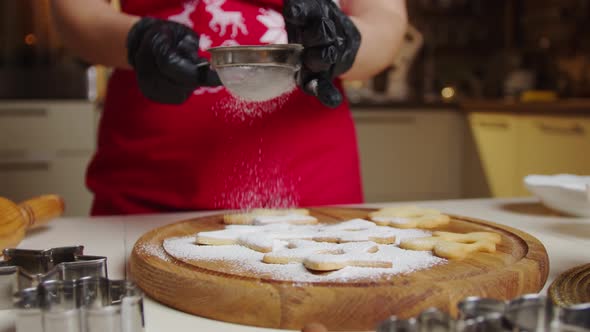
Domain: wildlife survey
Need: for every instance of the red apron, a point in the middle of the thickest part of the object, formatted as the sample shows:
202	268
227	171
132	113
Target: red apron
214	152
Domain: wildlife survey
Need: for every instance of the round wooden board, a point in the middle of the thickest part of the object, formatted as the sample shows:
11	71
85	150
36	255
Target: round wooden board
519	266
571	287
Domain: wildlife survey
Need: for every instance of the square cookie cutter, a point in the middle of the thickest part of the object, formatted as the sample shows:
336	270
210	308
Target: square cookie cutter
61	289
531	313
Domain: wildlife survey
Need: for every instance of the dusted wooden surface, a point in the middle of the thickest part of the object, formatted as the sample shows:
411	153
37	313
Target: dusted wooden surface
572	287
519	266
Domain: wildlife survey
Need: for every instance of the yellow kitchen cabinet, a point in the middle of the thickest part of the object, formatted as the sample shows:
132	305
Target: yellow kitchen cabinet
552	145
511	146
496	137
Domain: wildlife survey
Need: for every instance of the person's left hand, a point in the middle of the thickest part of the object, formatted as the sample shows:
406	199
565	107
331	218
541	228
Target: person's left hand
330	40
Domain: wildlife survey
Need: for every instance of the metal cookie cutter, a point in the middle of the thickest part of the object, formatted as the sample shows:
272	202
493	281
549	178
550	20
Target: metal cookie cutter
24	268
531	313
61	289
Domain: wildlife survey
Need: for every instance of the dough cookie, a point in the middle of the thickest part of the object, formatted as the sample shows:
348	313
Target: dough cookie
271	216
262	238
409	217
329	257
454	245
355	230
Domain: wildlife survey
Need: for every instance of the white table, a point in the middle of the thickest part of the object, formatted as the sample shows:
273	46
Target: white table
566	239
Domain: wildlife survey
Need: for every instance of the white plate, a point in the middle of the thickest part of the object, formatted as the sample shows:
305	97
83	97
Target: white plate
569	194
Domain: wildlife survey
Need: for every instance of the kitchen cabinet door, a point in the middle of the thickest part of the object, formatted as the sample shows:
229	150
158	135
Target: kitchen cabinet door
409	155
47	125
496	140
63	175
45	147
553	145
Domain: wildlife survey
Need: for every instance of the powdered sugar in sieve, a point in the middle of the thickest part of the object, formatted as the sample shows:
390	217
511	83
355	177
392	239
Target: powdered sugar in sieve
257	83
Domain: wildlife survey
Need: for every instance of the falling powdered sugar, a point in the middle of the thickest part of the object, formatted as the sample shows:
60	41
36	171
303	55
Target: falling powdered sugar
258	182
235	109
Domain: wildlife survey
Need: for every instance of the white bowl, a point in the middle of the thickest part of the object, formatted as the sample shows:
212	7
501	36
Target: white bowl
569	194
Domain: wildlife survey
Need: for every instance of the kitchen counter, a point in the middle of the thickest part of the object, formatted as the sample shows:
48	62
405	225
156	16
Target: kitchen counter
404	105
565	106
559	107
565	238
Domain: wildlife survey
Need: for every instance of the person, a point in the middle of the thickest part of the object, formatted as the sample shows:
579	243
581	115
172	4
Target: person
172	139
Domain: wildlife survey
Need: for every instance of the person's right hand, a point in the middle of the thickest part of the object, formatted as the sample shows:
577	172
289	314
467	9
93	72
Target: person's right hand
164	56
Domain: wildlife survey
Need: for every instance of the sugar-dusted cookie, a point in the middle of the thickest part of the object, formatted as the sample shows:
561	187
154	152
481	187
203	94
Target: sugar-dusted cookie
409	217
258	238
454	245
329	256
355	230
270	216
263	238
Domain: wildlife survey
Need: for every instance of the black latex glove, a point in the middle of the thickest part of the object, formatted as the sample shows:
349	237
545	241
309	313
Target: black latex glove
164	56
330	40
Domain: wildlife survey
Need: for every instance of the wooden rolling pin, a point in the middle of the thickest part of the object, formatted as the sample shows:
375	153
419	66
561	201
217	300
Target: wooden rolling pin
16	219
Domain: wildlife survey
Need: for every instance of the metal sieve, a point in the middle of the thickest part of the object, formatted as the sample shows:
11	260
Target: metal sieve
257	73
